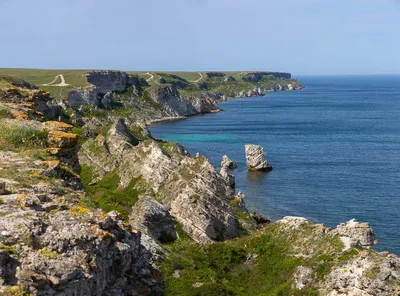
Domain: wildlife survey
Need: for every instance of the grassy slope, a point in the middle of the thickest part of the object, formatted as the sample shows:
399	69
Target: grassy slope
261	264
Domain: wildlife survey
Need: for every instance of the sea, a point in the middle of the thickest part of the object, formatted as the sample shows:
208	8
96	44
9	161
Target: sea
334	147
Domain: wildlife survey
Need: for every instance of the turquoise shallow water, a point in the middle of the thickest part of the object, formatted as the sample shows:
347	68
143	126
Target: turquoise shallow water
334	146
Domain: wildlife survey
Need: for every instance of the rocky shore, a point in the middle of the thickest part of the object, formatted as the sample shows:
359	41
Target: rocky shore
92	204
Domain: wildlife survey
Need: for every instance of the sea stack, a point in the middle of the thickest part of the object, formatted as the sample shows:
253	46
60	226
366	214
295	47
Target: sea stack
227	163
255	158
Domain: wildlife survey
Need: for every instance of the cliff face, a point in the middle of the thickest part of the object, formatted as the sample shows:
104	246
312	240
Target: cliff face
171	96
176	105
104	85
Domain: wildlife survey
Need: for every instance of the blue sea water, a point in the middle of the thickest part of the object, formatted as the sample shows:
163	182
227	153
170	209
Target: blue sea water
334	146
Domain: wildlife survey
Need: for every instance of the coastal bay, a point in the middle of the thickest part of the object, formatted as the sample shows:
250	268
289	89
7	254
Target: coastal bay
333	146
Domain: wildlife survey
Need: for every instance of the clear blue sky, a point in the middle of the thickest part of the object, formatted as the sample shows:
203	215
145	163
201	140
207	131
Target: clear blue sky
299	36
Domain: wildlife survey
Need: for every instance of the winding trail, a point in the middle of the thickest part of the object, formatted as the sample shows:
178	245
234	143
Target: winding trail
61	76
150	78
197	80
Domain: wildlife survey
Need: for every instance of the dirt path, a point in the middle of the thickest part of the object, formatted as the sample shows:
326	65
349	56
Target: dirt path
197	80
61	76
150	78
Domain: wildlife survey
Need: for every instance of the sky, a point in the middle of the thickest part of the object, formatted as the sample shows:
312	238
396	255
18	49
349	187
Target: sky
297	36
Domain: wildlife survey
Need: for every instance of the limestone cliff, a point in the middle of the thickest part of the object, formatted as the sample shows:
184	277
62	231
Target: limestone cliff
175	104
103	86
170	96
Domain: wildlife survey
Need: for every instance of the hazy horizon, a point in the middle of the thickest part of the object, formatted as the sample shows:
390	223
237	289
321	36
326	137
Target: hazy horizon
311	37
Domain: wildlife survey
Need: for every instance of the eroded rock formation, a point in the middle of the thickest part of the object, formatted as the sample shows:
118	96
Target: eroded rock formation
196	194
255	158
227	163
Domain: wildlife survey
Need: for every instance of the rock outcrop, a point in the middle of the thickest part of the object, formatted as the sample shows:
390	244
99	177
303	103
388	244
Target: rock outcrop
366	275
25	101
48	249
255	92
363	273
196	194
294	85
227	163
255	158
358	234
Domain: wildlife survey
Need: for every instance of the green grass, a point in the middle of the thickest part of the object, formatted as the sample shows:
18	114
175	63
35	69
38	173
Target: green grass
260	264
23	136
40	76
106	193
225	269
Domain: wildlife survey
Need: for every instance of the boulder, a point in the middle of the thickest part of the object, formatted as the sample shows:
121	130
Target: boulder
255	158
227	163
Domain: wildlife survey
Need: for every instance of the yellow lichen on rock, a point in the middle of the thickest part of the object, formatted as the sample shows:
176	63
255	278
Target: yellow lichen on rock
20	115
57	126
62	139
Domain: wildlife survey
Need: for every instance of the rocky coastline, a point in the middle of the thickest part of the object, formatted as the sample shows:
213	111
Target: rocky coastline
92	204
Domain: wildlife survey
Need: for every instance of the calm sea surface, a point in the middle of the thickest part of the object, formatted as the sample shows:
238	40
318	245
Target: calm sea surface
334	146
